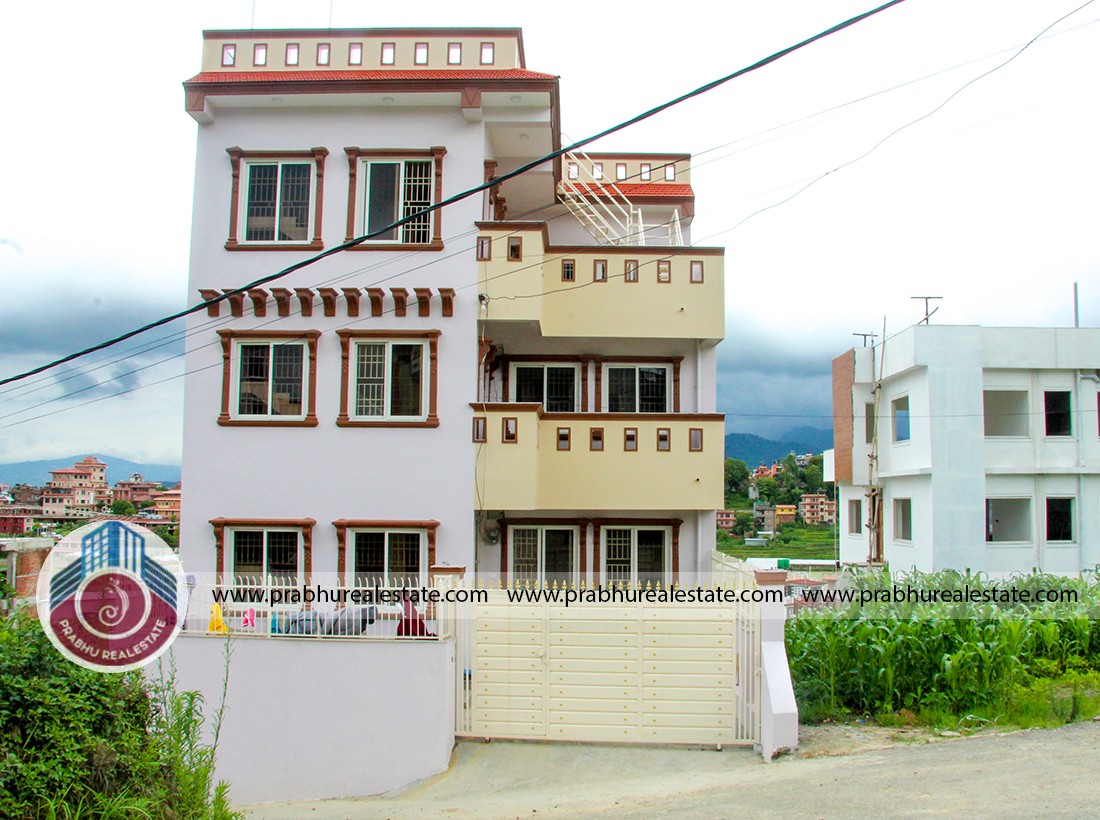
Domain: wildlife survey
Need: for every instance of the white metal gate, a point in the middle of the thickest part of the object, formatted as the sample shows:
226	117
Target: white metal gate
647	673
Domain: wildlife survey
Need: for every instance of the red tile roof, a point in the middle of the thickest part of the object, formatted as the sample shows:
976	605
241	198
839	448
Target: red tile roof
373	74
640	190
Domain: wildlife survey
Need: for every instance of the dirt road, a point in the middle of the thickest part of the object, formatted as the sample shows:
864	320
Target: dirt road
1034	773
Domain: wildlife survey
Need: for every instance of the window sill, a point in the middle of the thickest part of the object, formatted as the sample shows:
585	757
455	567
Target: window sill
1010	544
316	245
395	246
229	421
344	421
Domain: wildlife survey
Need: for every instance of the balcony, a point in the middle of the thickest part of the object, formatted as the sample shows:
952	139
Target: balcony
606	291
528	462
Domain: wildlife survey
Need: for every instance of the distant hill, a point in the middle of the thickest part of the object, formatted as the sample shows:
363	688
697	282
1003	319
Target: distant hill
118	469
756	450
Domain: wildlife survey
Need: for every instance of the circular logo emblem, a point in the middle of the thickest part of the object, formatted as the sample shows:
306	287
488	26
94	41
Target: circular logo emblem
111	596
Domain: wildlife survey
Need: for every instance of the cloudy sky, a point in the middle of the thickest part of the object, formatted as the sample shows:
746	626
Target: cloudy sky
989	202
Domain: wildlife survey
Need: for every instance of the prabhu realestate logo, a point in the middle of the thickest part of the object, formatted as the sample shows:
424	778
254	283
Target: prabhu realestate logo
111	596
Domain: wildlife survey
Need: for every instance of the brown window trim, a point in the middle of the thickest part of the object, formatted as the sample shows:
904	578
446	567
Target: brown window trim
382	53
355	157
572	262
229	49
228	337
256	49
664	267
620	167
351	49
480	429
517	243
645	172
328	48
595	269
236	155
504	430
450	48
592	439
484	249
691	432
568	431
305	525
668	438
481	54
691	272
627	271
342	526
427	53
348	336
297	55
600	523
626	439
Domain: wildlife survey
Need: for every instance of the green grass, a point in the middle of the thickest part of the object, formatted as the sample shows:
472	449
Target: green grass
793	541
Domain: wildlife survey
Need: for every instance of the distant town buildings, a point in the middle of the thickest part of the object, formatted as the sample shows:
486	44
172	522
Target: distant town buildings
816	508
77	491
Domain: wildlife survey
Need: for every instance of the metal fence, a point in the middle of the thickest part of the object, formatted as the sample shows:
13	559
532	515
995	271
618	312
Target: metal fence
282	607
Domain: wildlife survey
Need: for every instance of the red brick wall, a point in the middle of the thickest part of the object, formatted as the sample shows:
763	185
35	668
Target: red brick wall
27	566
844	377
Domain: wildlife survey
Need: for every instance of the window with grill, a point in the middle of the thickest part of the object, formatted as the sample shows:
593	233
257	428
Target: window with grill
395	190
388	557
636	555
552	386
543	554
388	380
277	203
260	555
270	379
568	270
636	388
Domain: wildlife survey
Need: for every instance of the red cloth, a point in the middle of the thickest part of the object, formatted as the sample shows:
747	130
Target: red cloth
412	622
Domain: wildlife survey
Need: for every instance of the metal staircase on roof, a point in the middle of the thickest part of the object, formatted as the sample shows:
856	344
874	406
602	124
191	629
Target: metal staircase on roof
610	218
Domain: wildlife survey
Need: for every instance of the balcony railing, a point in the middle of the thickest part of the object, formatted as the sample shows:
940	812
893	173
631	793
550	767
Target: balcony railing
608	291
534	460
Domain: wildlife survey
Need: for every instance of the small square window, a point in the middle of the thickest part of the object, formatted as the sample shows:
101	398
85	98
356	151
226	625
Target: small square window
664	271
324	53
568	270
484	248
630	270
229	54
259	54
487	53
564	434
696	272
454	53
599	270
695	439
574	171
903	519
389	53
645	173
355	54
595	438
630	439
1059	519
515	248
855	516
1056	405
292	54
664	439
420	54
620	170
509	430
597	170
899	412
479	428
670	173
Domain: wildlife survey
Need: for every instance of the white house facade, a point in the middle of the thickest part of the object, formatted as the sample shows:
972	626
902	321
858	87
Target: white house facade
520	384
966	447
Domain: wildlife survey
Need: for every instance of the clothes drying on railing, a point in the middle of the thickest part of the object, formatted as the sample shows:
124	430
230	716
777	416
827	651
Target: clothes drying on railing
412	622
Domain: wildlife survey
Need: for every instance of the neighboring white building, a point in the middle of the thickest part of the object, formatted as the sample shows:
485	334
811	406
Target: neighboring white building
328	414
988	449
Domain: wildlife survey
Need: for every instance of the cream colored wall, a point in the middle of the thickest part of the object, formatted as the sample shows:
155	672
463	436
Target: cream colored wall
506	53
634	168
533	474
584	308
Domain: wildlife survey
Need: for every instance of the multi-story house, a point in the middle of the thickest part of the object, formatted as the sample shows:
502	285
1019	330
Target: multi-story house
136	489
521	383
78	490
970	447
816	508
